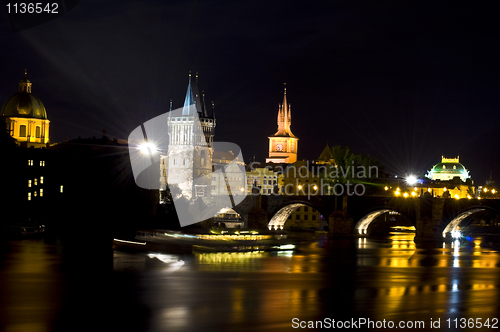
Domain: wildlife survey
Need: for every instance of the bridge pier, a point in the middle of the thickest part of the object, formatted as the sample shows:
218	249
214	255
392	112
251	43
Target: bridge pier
340	224
429	219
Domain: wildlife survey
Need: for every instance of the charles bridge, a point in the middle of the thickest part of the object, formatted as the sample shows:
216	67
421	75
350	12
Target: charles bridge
432	217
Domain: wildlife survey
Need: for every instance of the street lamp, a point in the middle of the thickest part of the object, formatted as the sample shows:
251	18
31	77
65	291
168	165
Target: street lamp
411	180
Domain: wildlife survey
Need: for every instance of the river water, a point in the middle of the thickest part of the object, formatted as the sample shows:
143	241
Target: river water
372	279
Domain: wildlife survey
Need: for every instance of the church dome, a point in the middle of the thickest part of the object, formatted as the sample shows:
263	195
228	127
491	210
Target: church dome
448	169
24	104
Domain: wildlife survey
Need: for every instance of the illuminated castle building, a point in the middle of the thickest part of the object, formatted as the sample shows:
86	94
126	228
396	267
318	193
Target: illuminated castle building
25	117
190	145
283	145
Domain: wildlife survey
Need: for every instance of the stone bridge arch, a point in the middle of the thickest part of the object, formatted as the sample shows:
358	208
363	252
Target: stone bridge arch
281	215
362	225
453	224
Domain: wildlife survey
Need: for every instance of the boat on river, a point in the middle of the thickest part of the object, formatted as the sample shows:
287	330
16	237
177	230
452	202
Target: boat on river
213	241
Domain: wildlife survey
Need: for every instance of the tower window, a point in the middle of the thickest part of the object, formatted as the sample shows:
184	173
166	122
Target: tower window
29	196
41	192
37	132
41	179
29	183
61	189
30	162
22	131
36	182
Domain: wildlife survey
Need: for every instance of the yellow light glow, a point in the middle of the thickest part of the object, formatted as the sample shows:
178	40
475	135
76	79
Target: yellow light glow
444	189
415	188
468	196
300	187
397	193
429	190
386	188
397	189
414	193
405	195
456	196
315	187
485	190
493	191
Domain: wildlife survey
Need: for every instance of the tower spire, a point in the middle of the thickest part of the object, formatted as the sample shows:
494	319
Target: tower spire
189	98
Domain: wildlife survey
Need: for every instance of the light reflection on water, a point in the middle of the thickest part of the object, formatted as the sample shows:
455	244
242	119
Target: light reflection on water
381	278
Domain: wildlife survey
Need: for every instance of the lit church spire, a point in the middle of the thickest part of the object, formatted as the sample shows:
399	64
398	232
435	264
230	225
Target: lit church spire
283	144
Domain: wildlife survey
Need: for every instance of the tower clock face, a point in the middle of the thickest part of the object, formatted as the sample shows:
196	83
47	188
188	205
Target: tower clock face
279	147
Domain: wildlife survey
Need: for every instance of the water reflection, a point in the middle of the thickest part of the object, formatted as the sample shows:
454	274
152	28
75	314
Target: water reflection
380	278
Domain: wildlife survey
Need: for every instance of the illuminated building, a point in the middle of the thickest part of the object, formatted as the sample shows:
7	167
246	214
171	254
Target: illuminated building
25	117
283	144
448	179
448	169
233	172
190	145
267	178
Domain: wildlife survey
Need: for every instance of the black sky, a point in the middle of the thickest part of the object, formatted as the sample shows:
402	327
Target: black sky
405	82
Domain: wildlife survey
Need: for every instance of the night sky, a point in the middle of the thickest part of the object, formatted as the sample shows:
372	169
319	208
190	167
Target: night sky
405	83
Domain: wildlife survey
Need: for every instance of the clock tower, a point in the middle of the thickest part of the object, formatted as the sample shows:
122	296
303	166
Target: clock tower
283	145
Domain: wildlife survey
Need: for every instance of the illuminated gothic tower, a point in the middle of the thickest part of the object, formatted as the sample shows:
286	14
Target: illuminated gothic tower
190	145
283	145
25	117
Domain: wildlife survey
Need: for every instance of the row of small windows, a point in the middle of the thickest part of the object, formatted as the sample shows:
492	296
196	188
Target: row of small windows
30	162
35	181
35	193
250	181
22	131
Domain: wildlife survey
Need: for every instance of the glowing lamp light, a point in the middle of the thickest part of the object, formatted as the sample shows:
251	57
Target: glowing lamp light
146	147
411	180
493	191
315	187
397	193
413	193
386	188
485	190
300	187
456	196
444	189
456	234
405	195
